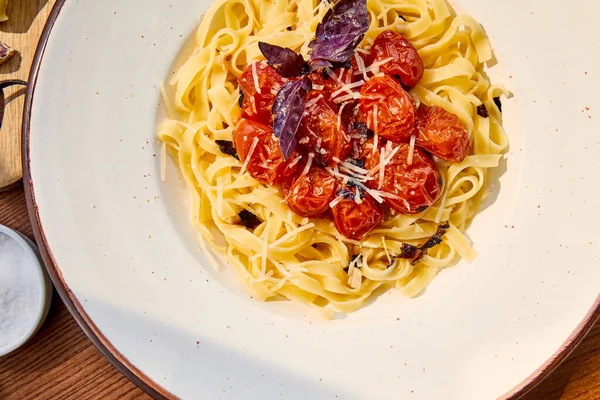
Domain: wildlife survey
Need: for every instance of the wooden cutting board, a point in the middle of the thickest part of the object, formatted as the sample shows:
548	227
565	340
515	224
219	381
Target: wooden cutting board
21	32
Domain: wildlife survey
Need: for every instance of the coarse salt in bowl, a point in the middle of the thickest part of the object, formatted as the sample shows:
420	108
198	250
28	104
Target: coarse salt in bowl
25	291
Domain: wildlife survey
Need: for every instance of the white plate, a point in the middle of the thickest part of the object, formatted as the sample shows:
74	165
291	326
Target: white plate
125	259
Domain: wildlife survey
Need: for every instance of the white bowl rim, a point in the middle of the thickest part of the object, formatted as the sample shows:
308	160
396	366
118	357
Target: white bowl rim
108	349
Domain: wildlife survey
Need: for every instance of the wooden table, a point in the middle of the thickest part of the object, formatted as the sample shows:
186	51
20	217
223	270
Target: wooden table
60	362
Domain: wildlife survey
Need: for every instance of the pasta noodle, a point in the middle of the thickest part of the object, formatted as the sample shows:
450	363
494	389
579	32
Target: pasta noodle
307	259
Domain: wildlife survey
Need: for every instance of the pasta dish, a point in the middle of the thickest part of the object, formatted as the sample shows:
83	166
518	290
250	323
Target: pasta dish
335	149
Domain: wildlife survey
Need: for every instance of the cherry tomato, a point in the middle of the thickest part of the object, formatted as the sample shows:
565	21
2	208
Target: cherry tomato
406	64
414	187
355	221
388	109
257	106
442	134
309	195
320	134
266	163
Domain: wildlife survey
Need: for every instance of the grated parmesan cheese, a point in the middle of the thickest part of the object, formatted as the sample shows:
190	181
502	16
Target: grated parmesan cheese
295	161
411	149
264	254
308	164
291	234
387	253
263	277
381	168
348	88
335	202
314	101
345	98
361	65
255	78
163	162
249	156
339	118
279	284
375	142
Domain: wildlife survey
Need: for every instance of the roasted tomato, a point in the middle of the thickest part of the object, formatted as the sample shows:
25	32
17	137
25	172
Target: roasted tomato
257	104
388	109
309	195
266	165
319	132
411	187
405	63
442	134
355	221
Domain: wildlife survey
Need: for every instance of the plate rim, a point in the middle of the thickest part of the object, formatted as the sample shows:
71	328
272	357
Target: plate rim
107	349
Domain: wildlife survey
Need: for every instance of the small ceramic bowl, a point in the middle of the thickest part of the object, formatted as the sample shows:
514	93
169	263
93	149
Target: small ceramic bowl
30	268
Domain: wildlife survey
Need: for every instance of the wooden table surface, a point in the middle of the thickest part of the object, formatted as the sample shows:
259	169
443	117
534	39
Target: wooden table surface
60	362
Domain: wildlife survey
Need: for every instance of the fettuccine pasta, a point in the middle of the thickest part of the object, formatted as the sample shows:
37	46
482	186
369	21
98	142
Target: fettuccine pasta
307	259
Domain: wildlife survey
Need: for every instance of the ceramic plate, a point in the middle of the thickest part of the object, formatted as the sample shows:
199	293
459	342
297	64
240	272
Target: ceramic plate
121	251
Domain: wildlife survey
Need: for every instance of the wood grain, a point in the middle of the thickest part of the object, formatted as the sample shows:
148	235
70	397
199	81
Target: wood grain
21	32
61	363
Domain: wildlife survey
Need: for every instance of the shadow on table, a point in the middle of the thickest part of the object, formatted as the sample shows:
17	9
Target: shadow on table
20	20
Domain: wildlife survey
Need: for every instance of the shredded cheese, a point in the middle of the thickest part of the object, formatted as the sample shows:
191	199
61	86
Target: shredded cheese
375	142
342	71
168	104
387	253
347	88
361	66
381	168
411	149
279	284
211	258
339	118
264	253
333	76
335	202
308	164
357	198
291	234
255	78
347	97
352	167
263	277
163	162
295	161
249	156
375	119
314	101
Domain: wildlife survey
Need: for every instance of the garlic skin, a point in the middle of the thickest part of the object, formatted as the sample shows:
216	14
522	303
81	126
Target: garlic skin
5	52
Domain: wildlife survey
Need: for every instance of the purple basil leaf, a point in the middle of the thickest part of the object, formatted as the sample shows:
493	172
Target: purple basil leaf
285	61
320	64
288	109
340	32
